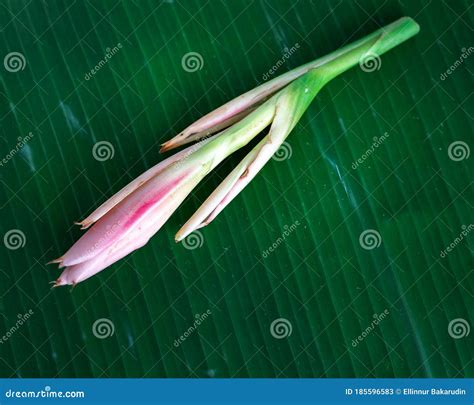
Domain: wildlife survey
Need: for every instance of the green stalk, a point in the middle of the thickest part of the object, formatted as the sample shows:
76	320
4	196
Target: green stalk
322	71
284	109
371	46
329	66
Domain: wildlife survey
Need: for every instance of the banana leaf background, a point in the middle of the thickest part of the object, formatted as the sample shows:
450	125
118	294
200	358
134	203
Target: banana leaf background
292	275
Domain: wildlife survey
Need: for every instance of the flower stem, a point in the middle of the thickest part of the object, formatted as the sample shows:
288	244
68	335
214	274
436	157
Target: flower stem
285	109
328	66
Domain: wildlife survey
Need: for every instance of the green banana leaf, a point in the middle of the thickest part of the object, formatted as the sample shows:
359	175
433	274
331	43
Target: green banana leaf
349	255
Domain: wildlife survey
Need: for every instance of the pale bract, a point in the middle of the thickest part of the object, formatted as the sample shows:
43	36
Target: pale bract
127	220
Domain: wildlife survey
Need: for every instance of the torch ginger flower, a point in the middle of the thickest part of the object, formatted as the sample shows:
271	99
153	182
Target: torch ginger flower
126	221
131	217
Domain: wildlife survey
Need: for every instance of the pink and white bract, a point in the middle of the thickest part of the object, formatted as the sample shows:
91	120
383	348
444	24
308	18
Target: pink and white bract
131	217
